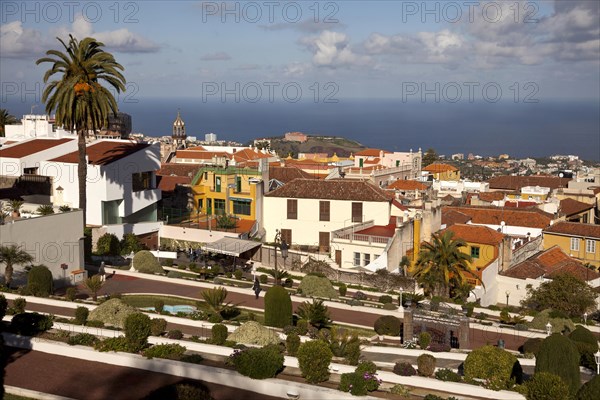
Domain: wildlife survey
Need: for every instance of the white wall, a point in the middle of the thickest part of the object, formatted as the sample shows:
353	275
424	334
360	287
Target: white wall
305	229
15	166
192	235
496	287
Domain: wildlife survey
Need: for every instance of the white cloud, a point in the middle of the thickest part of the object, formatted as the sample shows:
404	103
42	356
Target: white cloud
332	49
296	69
19	42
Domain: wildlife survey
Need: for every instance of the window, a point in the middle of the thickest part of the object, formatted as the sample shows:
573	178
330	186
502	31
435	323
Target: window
241	207
200	204
590	246
238	184
361	162
397	163
366	259
141	181
286	235
357	259
219	206
217	184
323	211
575	244
292	209
357	211
475	252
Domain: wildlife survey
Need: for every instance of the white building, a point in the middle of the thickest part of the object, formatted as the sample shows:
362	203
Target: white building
121	181
210	137
34	126
25	157
409	161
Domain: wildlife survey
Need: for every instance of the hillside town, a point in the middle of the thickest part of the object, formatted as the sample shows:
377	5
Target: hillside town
374	223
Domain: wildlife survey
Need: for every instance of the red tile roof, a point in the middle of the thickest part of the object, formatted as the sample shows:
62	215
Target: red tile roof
201	155
526	217
287	174
549	263
168	183
491	196
380	230
399	205
24	149
509	182
178	169
104	152
451	217
476	234
520	204
248	155
403	184
437	168
335	189
574	229
569	207
371	153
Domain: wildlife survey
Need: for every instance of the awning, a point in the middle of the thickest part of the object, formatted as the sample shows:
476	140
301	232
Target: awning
231	246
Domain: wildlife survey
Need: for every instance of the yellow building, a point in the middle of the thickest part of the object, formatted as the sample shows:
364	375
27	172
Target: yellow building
442	172
581	241
531	193
231	191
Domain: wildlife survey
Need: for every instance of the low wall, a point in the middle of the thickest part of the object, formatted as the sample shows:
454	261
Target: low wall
192	235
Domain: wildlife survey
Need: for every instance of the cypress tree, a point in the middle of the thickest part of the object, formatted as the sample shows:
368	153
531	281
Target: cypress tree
278	307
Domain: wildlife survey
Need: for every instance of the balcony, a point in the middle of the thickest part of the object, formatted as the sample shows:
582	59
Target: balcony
352	234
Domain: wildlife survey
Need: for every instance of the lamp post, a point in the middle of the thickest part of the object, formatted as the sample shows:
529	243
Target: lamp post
507	296
585	318
277	241
400	306
597	358
284	251
131	255
548	328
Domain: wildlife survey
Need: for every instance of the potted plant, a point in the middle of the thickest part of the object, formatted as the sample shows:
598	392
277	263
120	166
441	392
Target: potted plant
14	206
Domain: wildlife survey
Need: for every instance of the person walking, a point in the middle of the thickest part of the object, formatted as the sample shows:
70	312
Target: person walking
256	287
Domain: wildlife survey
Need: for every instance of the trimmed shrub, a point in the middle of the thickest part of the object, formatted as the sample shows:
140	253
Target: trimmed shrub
278	307
112	312
558	355
174	275
255	363
167	351
558	323
30	324
424	340
361	381
263	278
314	358
385	299
175	334
590	390
81	315
3	306
316	286
192	358
586	344
400	390
137	329
343	289
219	334
288	283
108	245
82	339
292	343
131	243
404	369
19	305
252	332
238	273
114	344
532	346
447	375
352	351
157	326
93	323
145	262
302	326
388	325
546	386
39	281
492	364
426	364
71	293
389	306
439	347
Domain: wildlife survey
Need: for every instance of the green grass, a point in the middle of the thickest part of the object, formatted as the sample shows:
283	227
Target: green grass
142	301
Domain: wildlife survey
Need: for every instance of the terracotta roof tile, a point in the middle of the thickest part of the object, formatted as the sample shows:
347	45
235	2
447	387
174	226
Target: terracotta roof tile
168	183
201	155
371	153
570	207
574	229
476	234
104	152
520	204
451	217
526	217
509	182
437	168
178	169
287	174
491	196
335	189
23	149
404	184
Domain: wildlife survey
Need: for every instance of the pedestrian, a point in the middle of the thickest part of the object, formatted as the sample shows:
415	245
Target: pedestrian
256	287
102	272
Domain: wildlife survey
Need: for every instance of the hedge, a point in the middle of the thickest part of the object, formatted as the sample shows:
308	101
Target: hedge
39	281
558	355
314	358
278	307
492	364
388	325
316	286
261	363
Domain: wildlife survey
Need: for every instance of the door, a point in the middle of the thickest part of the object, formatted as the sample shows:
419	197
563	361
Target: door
324	242
338	258
209	206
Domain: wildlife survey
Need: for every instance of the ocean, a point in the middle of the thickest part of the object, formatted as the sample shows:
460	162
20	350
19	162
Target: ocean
487	129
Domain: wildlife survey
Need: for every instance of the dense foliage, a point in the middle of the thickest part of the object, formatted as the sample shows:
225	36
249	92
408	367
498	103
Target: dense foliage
82	339
81	315
112	312
252	332
30	324
157	326
278	307
108	245
404	369
316	313
546	386
314	358
145	262
292	344
362	381
559	323
137	329
495	365
388	325
590	390
168	351
564	293
219	334
558	355
317	286
426	364
258	363
39	281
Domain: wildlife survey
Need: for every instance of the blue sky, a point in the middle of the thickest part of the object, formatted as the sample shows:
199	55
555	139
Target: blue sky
368	49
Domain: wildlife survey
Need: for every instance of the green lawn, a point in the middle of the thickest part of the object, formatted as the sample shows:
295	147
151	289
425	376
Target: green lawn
142	301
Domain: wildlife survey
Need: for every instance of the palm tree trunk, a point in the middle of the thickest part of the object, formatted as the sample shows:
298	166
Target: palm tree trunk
8	273
82	173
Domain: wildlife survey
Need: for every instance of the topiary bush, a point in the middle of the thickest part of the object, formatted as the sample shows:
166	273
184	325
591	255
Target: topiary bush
558	323
426	365
112	312
39	281
82	339
260	363
590	390
145	262
302	326
108	245
19	305
157	326
252	332
292	343
175	334
114	344
263	278
71	293
316	286
342	289
424	340
137	329
532	346
447	375
404	369
385	299
167	351
586	344
219	334
492	364
278	307
546	386
388	325
81	315
558	355
30	324
314	358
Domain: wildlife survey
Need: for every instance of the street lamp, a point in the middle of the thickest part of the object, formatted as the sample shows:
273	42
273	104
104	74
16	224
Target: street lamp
131	255
585	318
507	296
597	358
284	251
548	328
400	307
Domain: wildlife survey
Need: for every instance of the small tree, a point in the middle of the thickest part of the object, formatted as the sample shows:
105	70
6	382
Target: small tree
292	343
147	263
215	299
219	334
45	209
94	284
278	307
108	245
10	256
131	243
426	364
81	315
563	293
546	386
495	365
137	329
314	358
316	313
39	281
559	356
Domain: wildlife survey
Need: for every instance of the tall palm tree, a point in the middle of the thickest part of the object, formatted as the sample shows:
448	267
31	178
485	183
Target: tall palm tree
79	100
442	263
6	119
12	255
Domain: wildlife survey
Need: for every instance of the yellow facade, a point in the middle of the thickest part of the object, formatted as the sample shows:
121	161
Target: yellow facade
226	191
577	247
482	255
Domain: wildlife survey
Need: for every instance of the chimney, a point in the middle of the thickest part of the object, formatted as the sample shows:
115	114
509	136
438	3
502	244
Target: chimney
505	253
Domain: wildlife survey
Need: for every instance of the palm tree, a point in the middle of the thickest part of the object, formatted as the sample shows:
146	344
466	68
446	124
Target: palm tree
79	100
94	284
441	263
215	299
14	206
6	119
45	209
12	255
